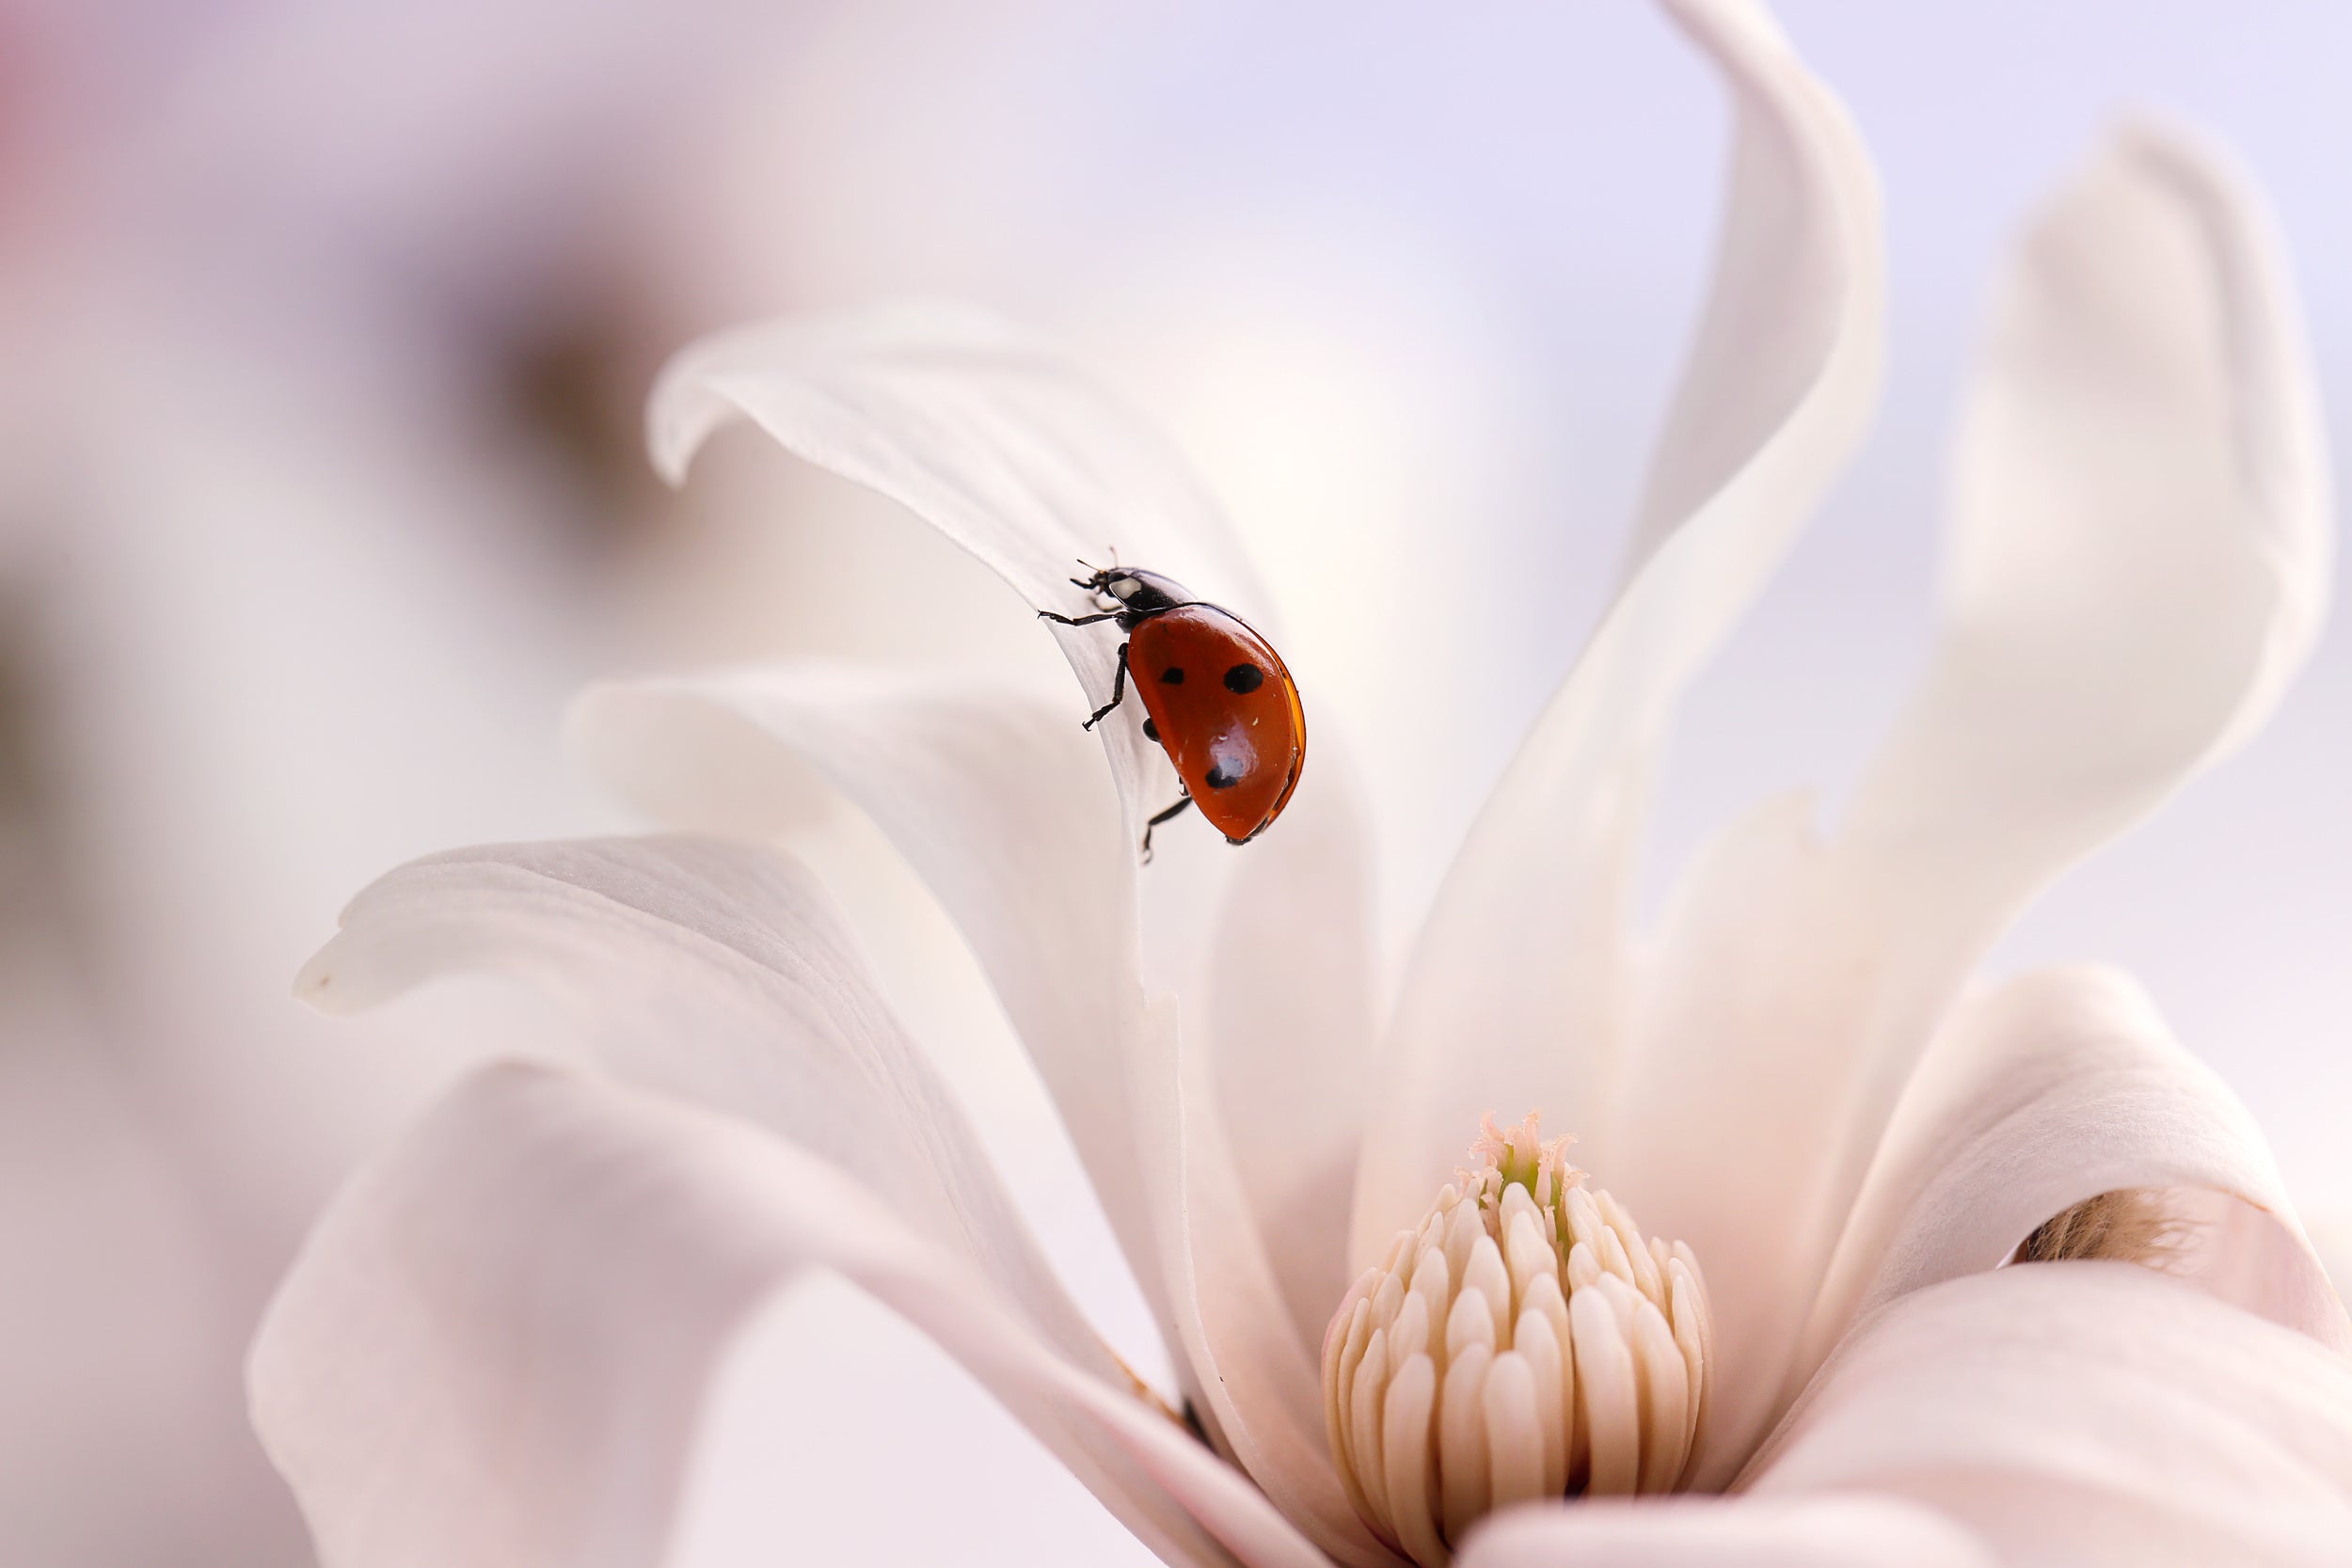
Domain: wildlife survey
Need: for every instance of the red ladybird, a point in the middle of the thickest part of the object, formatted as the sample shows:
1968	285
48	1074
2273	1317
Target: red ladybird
1221	700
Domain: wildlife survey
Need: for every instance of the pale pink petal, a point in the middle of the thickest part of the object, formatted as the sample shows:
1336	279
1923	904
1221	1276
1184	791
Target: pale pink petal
1514	995
1007	446
1021	458
1258	1374
1288	1026
2142	528
993	801
715	971
2050	1090
2086	1413
2138	558
996	800
1845	1530
493	1350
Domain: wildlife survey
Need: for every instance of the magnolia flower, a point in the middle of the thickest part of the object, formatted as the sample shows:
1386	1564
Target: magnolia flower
494	1345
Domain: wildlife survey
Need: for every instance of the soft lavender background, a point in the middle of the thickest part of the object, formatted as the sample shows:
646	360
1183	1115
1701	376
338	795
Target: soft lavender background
321	336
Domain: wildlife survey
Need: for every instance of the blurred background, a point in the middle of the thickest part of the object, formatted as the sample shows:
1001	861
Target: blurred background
325	331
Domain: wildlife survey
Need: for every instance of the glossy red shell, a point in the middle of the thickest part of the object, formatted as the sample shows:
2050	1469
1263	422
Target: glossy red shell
1227	712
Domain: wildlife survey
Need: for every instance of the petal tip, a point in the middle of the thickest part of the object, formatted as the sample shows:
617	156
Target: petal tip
319	983
1719	22
672	439
2150	135
685	407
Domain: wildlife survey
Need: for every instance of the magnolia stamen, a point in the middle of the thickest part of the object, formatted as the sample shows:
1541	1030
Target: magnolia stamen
1523	1341
2129	1225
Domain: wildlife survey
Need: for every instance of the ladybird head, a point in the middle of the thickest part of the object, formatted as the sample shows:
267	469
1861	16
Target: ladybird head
1130	587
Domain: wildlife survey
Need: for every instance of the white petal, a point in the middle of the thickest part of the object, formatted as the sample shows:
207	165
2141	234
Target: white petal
493	1348
1018	840
1258	1377
1289	1028
714	971
1019	455
2074	1413
1848	1530
2049	1091
1006	446
994	798
1513	1001
2136	562
2139	550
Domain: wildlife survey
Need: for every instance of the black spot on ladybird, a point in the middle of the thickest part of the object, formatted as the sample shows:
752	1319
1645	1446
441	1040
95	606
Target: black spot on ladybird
1217	778
1244	678
1150	731
1172	676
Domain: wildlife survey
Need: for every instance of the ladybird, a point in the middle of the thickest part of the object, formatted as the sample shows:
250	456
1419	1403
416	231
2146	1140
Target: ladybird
1218	699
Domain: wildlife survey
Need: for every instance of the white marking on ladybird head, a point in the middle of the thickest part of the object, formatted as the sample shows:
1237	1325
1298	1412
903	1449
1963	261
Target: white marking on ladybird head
1125	588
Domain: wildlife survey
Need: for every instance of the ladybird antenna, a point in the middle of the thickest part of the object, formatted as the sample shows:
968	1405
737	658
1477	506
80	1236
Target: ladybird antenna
1087	582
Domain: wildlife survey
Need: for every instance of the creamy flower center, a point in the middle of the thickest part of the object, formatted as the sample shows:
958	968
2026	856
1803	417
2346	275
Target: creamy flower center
1522	1341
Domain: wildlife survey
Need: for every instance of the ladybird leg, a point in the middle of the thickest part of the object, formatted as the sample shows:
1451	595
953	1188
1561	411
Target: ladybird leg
1172	811
1118	690
1129	615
